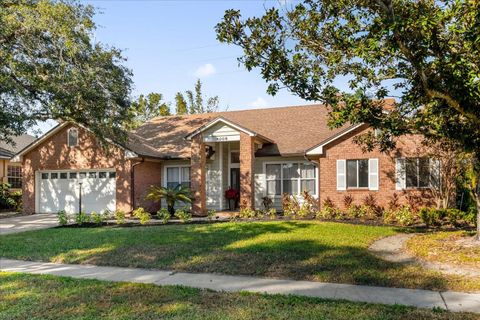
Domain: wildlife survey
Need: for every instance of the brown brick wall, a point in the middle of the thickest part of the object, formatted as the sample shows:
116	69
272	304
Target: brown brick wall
197	175
247	155
345	148
55	154
147	174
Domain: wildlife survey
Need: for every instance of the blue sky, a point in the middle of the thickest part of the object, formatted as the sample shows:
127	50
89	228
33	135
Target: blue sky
169	44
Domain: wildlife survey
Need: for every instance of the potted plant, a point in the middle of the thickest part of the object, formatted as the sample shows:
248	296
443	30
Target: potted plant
232	196
171	196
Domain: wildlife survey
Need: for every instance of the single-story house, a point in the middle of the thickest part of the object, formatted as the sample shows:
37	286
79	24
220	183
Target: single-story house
260	152
11	172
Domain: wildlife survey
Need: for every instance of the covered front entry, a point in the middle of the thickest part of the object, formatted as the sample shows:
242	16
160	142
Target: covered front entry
92	190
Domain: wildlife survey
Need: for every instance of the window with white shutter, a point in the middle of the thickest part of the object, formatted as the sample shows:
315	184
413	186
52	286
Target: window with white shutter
341	175
373	174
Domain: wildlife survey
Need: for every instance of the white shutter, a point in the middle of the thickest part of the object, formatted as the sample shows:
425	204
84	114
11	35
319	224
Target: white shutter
341	175
400	173
373	174
435	177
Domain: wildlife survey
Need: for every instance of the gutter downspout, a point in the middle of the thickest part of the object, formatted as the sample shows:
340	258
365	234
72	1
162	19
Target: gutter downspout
132	182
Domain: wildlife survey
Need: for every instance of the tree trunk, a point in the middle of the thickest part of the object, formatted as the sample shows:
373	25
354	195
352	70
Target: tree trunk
477	200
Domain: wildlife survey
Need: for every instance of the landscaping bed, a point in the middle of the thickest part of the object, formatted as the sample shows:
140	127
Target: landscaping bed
302	250
26	296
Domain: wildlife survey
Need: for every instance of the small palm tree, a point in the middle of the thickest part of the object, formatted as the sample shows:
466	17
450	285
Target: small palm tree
171	196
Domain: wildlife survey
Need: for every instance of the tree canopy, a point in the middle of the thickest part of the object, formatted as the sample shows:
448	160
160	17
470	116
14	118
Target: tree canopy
197	103
146	108
51	69
426	54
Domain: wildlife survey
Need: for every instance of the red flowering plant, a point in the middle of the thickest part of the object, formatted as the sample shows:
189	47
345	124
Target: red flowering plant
231	194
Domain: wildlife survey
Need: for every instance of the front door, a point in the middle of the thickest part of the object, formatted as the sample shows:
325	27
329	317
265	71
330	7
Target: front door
235	178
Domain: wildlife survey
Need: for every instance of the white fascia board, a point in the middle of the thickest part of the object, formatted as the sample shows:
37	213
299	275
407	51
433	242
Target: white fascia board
318	150
214	122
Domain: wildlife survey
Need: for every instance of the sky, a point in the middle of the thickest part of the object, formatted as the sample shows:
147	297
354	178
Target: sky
171	44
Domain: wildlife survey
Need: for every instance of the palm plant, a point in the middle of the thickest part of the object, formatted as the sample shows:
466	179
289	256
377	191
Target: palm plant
171	195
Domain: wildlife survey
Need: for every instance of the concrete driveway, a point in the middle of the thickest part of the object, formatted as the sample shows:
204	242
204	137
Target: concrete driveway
27	223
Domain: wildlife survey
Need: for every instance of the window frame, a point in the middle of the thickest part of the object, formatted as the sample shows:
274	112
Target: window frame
18	178
357	174
417	176
68	137
299	179
180	174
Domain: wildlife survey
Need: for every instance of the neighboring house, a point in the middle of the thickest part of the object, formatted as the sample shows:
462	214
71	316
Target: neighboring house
11	172
262	152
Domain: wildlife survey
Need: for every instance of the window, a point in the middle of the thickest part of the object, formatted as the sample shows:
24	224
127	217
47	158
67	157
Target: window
44	176
112	175
291	178
72	137
63	175
82	175
92	174
235	157
102	175
53	175
357	173
178	175
73	175
417	173
14	176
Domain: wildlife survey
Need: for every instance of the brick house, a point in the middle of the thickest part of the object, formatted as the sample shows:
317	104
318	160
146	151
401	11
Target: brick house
261	152
10	171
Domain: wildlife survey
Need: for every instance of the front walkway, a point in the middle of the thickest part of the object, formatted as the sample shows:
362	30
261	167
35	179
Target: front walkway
453	301
27	223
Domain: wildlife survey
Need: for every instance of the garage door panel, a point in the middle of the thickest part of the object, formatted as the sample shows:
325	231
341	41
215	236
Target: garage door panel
98	194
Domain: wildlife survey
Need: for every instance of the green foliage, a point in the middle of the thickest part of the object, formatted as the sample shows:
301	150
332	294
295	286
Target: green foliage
404	216
211	214
171	195
180	104
308	206
434	217
371	207
164	215
267	202
196	100
51	69
328	210
183	214
97	218
146	108
272	213
62	218
426	51
6	199
141	214
81	218
247	213
290	205
119	216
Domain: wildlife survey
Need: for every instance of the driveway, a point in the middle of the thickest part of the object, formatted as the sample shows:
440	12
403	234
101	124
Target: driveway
27	223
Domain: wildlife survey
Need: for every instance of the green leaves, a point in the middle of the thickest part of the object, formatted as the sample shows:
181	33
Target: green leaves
425	53
51	69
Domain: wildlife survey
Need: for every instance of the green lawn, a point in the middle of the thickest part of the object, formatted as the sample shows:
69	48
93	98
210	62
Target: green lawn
24	296
320	251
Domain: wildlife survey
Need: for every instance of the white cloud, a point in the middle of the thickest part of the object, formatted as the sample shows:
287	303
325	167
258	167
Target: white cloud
205	71
259	103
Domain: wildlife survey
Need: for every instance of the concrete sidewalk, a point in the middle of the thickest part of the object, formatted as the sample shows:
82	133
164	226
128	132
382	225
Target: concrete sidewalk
453	301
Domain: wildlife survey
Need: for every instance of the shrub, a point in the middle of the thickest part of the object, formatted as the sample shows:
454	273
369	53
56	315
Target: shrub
272	213
455	216
328	211
404	216
347	201
82	218
267	202
355	211
183	215
431	216
211	214
309	205
120	216
142	215
62	218
246	213
371	207
471	216
97	218
164	215
171	195
394	202
6	199
290	205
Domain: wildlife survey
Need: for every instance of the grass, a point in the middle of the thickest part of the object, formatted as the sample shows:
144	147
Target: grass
447	247
24	296
318	251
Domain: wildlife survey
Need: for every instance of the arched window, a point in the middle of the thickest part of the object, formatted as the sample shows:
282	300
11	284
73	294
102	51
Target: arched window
72	137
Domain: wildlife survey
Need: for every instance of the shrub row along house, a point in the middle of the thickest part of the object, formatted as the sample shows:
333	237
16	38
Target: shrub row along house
261	152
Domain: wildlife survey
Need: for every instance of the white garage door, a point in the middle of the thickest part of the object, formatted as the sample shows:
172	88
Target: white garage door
60	190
